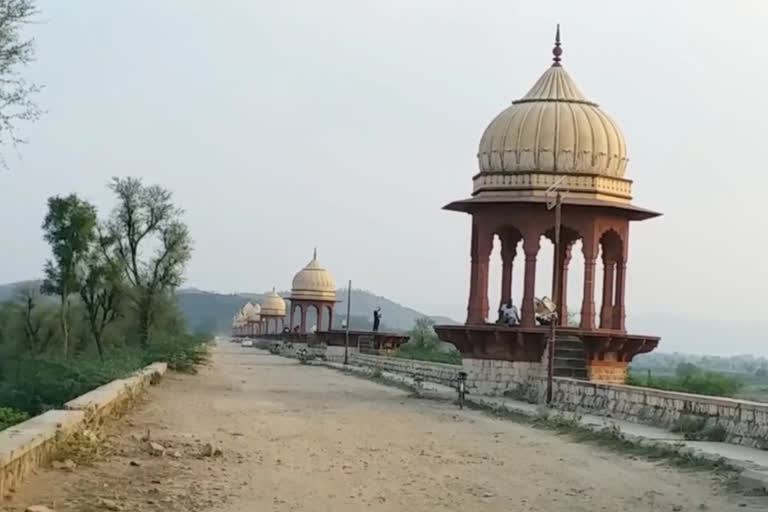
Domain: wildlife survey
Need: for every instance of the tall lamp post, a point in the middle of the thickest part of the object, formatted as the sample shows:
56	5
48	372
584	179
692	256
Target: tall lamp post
554	204
346	334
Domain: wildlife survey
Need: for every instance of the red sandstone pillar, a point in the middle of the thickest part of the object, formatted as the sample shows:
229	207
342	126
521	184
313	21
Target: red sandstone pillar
482	240
588	301
619	312
330	317
303	327
320	313
606	311
531	248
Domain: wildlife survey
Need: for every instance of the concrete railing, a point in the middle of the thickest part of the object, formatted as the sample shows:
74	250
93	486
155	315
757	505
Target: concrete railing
30	444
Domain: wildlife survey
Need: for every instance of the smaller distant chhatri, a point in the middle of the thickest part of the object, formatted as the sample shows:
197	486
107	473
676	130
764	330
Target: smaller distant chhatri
273	313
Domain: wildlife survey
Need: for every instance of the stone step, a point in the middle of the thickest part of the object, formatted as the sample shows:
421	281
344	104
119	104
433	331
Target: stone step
570	362
574	352
573	373
569	344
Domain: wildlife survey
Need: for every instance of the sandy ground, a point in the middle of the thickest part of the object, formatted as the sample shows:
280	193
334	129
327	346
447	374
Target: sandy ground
299	438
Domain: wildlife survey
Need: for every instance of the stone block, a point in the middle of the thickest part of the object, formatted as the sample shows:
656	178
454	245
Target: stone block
28	445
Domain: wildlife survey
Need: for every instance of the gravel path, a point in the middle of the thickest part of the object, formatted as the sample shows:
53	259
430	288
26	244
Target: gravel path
299	438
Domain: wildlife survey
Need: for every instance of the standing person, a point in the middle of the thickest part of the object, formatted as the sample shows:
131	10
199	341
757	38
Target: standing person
376	319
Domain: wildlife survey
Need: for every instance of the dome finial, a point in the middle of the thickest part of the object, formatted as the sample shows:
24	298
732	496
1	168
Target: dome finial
557	51
314	255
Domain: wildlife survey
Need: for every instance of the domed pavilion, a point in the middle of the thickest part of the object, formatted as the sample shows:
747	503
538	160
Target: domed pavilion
252	313
313	287
238	324
272	313
553	139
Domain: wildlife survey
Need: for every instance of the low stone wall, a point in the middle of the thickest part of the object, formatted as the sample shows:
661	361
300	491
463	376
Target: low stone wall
433	372
484	377
30	444
113	397
519	379
745	423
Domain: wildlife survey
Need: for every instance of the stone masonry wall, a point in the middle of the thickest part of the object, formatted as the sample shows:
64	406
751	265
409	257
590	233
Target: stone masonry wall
745	423
445	374
517	379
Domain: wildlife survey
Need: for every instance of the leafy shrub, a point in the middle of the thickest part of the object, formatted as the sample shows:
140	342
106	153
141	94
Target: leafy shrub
424	345
183	353
40	383
10	417
37	383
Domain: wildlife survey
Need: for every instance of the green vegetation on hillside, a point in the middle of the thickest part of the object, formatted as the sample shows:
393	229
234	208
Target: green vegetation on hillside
424	345
113	313
751	372
689	378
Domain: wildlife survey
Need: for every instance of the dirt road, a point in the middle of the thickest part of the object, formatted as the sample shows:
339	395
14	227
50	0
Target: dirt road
298	438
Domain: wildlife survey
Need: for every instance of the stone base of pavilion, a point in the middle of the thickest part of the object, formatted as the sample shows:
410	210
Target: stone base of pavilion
501	359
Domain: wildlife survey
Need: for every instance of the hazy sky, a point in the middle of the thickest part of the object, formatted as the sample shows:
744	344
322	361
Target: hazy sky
347	125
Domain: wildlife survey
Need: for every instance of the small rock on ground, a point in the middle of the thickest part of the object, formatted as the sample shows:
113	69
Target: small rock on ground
67	465
109	505
156	449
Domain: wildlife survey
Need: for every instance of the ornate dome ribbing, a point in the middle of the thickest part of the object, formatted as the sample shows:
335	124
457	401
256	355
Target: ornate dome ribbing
553	131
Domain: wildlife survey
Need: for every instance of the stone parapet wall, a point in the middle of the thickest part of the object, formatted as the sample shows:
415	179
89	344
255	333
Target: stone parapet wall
745	423
32	443
445	374
433	372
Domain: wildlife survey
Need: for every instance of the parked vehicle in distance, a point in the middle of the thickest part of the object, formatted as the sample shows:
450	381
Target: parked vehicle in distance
247	343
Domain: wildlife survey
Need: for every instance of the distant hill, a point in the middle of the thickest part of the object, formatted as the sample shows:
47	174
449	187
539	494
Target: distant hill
214	311
7	291
679	333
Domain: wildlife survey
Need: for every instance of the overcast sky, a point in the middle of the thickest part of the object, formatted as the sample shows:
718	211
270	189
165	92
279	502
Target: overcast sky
347	125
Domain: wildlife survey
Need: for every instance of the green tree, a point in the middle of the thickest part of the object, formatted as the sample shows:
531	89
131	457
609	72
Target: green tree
100	289
686	371
70	229
423	334
16	93
146	218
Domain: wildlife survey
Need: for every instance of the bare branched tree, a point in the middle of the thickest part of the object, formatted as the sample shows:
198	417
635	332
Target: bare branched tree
146	219
16	51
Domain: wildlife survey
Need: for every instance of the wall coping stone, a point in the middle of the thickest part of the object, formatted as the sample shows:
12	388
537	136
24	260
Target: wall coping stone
660	393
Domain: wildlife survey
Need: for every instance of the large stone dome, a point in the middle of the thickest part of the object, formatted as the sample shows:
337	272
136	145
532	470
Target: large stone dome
272	304
313	282
553	132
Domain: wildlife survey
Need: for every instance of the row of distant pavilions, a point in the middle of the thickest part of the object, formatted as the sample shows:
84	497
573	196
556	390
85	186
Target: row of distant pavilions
313	288
552	137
